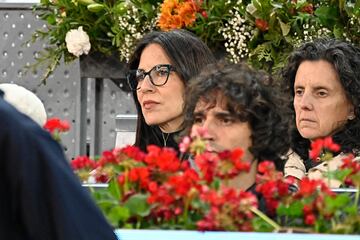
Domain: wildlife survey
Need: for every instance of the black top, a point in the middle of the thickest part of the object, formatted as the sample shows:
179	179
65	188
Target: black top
261	200
41	198
169	138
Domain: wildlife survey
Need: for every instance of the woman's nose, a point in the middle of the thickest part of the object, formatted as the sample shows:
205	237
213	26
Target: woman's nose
146	85
306	101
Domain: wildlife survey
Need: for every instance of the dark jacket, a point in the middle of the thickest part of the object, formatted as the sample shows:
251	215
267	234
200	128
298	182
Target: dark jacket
41	198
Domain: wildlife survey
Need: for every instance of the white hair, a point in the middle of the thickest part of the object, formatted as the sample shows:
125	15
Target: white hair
25	101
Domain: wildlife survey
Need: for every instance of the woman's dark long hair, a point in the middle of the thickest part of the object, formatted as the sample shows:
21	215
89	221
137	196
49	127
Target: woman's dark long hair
345	58
187	53
250	100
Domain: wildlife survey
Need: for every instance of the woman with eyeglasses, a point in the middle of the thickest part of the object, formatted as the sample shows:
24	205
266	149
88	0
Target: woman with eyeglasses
160	69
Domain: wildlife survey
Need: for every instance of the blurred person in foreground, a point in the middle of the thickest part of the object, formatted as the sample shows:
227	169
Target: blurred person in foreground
235	107
322	78
41	198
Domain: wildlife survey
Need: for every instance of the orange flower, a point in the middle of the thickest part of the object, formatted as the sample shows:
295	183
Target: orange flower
187	13
178	14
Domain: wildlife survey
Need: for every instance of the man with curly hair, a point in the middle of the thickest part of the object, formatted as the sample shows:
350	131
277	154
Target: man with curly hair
233	103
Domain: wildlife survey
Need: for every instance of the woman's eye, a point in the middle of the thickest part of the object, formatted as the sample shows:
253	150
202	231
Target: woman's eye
139	76
299	92
162	72
322	93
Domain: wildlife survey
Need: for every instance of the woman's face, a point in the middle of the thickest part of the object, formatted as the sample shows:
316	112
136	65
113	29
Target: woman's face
320	102
160	105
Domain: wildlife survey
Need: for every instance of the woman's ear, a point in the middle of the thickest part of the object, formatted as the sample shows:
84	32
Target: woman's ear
351	114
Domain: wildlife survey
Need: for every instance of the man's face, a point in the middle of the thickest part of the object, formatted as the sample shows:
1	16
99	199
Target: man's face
225	131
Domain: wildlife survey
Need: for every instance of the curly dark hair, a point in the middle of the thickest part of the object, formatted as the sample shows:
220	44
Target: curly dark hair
345	58
249	99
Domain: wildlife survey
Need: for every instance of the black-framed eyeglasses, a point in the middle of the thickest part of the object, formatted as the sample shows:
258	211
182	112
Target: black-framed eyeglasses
158	75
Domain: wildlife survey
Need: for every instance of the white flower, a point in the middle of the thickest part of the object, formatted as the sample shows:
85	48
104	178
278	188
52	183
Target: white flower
77	41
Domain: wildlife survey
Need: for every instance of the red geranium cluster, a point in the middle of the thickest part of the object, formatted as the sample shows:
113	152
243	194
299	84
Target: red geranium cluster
56	126
158	190
272	185
229	209
352	168
320	146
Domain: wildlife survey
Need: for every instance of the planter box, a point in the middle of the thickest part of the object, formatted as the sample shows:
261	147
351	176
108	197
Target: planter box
124	234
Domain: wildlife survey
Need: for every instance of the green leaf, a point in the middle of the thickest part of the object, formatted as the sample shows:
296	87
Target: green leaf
352	210
338	31
285	28
118	214
114	189
295	209
95	7
86	2
327	15
340	201
138	206
340	174
51	19
120	8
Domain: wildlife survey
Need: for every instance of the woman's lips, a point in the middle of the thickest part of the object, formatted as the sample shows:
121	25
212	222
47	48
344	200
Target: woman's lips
149	104
306	120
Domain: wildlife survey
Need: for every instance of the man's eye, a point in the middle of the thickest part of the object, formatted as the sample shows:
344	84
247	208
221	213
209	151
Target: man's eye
227	121
198	120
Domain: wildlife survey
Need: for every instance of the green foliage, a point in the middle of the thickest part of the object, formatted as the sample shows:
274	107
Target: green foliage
260	32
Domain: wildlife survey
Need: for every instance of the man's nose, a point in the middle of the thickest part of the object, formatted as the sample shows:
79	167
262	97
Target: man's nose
209	127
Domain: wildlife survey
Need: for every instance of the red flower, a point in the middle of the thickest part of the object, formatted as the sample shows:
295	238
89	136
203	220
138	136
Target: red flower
132	152
310	219
81	162
262	25
204	14
107	157
308	187
53	124
308	9
265	167
330	145
319	145
307	209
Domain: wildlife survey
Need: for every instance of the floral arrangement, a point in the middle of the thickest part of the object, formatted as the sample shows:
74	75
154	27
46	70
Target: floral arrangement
158	190
261	32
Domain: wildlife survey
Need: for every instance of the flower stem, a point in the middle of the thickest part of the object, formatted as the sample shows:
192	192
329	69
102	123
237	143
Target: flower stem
357	195
328	174
265	218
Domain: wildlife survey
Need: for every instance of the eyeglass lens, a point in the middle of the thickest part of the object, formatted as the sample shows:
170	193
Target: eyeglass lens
158	76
